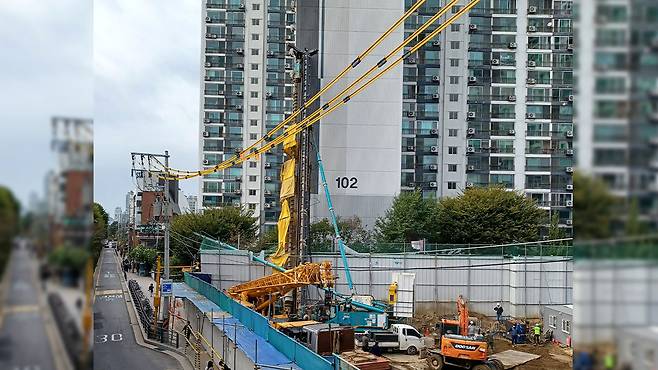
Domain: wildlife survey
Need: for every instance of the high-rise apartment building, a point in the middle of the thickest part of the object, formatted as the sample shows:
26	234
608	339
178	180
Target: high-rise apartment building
488	102
245	91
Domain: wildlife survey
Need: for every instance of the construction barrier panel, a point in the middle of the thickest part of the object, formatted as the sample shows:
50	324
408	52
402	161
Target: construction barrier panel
257	323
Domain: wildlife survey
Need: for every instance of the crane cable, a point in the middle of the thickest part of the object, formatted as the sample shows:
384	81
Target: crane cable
338	77
327	108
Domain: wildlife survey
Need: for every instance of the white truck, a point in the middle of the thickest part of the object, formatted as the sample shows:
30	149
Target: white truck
400	337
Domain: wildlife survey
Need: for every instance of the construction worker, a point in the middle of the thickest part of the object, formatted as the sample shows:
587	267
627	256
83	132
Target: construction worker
609	361
472	329
499	311
537	331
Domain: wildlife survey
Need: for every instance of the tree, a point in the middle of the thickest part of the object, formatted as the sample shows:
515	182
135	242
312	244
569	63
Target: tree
411	217
322	234
145	255
100	231
112	230
267	240
554	230
634	226
9	224
593	208
489	216
232	225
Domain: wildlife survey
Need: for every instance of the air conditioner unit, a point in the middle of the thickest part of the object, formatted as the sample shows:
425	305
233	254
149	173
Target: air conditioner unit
435	78
208	19
530	115
570	47
511	132
411	148
569	203
470	115
270	53
206	162
208	35
288	66
207	64
568	169
237	150
411	60
268	94
290	37
569	152
473	27
570	98
470	167
569	133
470	131
267	205
411	114
532	9
267	165
434	167
532	63
434	149
569	222
411	184
435	96
268	178
436	43
512	45
214	36
206	120
268	192
237	191
472	79
206	134
238	107
495	62
239	66
241	6
569	187
469	185
207	78
434	131
238	93
531	81
532	28
511	98
433	184
239	51
470	149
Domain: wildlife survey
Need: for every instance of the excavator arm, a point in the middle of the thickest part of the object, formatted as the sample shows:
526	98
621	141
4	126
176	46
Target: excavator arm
262	292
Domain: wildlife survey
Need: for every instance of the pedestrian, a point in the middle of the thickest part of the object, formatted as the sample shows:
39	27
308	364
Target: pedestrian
537	331
210	366
187	331
365	341
499	311
151	289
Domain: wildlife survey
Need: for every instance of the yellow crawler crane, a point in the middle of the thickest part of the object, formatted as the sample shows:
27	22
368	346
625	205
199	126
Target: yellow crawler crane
261	293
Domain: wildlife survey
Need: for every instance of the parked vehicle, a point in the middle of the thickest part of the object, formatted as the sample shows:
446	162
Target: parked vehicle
400	337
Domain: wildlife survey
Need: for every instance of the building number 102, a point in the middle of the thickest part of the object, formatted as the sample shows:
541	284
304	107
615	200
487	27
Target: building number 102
346	182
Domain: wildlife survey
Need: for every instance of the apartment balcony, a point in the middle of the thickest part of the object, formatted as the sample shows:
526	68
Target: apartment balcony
536	186
503	10
503	150
538	168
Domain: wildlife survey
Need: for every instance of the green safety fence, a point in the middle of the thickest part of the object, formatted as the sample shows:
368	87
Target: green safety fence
257	323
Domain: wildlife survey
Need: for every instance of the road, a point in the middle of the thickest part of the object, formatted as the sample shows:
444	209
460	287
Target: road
24	343
115	346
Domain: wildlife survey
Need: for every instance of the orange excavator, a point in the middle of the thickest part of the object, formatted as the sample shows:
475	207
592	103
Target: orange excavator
458	347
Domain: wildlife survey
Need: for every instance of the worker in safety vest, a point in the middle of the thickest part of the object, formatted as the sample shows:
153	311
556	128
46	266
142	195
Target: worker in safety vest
537	331
609	361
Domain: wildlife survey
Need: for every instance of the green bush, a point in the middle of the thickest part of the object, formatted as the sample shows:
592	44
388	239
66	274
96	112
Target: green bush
68	258
145	255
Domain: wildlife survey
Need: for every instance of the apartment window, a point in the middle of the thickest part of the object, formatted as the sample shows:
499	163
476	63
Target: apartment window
566	326
255	22
255	36
452	150
454	80
453	115
255	6
252	191
253	108
454	62
455	8
252	164
453	97
254	80
254	94
253	122
454	45
552	321
452	168
254	51
455	27
452	132
252	206
252	178
452	185
253	137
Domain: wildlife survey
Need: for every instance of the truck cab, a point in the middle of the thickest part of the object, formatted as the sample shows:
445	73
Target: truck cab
409	338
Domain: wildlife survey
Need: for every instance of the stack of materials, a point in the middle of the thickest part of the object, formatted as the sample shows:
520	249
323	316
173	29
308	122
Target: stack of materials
366	361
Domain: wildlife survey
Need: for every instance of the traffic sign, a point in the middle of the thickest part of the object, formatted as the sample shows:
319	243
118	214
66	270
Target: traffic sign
166	287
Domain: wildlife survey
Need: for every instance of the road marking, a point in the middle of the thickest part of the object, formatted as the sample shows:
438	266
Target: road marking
109	292
21	308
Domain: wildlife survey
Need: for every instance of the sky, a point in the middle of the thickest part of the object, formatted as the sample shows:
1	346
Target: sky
146	89
45	71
